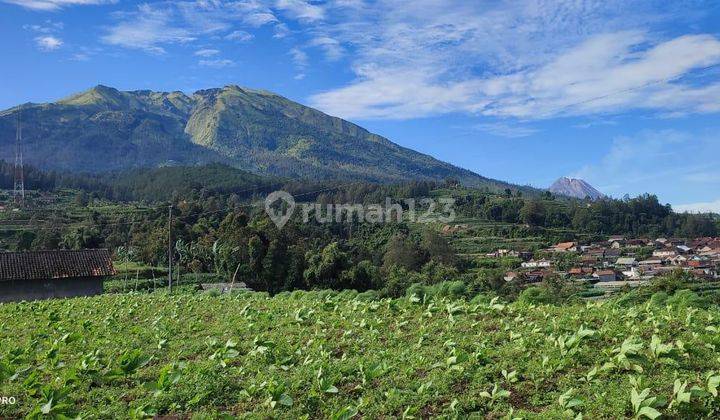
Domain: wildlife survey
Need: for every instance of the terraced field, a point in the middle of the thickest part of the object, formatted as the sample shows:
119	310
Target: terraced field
339	355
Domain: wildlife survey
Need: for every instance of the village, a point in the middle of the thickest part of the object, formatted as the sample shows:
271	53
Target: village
618	262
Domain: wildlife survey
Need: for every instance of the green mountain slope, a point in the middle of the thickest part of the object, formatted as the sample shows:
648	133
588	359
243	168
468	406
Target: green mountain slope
104	129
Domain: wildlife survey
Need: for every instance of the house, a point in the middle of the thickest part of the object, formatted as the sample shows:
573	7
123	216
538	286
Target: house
605	275
510	276
565	247
535	276
678	260
580	271
625	261
611	254
37	275
664	253
651	262
683	249
536	264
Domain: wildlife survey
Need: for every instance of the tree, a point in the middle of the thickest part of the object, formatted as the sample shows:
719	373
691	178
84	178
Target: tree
401	252
275	265
533	213
324	269
437	247
362	276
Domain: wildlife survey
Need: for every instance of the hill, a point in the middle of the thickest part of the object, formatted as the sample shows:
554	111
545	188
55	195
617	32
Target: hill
104	129
576	188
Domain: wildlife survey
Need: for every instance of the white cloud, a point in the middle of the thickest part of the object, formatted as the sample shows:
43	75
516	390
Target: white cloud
709	207
532	59
301	9
147	29
637	164
218	63
301	61
153	26
506	130
47	27
331	47
55	4
240	36
207	52
48	43
605	74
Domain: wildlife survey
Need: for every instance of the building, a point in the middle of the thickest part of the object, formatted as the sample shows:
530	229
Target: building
565	247
53	274
626	261
536	264
605	275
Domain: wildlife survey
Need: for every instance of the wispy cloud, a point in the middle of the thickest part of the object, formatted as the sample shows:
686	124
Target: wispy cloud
55	4
147	29
151	27
301	61
331	47
46	27
301	9
207	52
218	63
529	60
506	130
707	207
638	163
239	36
48	43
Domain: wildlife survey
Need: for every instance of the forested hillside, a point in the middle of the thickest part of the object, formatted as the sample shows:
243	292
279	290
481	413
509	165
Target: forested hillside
104	130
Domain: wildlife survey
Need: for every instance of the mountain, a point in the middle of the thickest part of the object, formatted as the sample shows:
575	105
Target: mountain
576	188
104	129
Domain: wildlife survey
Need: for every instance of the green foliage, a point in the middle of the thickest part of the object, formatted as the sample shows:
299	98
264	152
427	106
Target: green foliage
324	354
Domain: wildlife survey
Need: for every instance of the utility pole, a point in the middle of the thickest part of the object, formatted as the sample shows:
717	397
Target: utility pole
170	256
19	171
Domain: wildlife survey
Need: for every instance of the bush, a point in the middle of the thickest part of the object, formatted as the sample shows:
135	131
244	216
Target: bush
368	296
685	298
536	295
418	290
451	289
659	299
398	280
481	299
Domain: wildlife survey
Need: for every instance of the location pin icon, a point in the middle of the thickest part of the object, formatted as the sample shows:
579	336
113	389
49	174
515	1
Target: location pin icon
277	216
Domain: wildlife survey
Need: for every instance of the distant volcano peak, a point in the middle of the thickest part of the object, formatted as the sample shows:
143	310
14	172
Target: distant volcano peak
577	188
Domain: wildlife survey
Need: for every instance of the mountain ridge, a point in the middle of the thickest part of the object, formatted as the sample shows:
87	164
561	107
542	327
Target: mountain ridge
104	129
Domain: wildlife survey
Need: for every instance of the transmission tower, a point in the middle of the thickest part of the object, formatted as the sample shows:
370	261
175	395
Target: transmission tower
19	185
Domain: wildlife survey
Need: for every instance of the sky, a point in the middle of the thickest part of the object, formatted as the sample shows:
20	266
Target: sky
624	94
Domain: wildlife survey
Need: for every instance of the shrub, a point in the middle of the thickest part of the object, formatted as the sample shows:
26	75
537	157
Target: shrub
659	298
536	295
687	298
418	290
452	289
368	296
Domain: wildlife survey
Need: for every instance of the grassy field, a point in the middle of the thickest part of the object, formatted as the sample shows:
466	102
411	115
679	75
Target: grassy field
338	355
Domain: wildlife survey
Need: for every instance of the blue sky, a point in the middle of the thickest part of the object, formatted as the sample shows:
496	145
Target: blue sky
625	94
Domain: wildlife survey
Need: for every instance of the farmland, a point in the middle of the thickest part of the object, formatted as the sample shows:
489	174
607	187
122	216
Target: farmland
343	354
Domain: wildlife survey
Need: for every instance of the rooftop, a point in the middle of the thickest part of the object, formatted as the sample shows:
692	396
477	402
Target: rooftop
56	264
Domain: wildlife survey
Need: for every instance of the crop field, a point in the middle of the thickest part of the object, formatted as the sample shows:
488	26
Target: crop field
343	355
